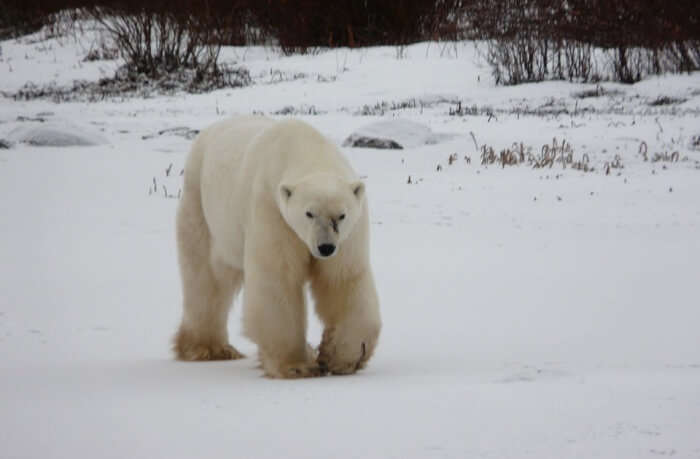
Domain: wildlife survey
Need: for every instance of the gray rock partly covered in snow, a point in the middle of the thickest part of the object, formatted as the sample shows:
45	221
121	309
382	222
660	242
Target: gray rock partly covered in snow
55	134
361	141
394	134
5	144
182	131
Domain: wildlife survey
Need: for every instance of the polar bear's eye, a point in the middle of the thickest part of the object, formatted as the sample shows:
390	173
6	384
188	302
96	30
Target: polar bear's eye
309	214
341	217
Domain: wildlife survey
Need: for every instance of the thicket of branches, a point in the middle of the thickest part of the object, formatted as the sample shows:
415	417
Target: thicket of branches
532	40
303	24
527	40
20	18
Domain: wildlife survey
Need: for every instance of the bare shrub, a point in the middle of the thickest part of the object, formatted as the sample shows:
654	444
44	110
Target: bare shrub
517	60
579	61
630	64
101	51
153	41
166	45
683	55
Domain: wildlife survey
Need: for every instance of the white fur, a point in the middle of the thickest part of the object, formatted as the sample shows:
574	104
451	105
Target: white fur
242	221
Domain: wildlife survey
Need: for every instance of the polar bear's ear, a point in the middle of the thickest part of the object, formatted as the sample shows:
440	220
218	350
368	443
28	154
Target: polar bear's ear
358	189
285	192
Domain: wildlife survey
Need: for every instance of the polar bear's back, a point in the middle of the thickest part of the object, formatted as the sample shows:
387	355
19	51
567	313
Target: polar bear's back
246	151
218	149
223	144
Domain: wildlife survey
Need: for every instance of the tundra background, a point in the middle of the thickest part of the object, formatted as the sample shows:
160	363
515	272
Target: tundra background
534	245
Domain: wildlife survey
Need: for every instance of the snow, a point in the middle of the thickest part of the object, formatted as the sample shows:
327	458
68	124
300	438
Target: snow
527	312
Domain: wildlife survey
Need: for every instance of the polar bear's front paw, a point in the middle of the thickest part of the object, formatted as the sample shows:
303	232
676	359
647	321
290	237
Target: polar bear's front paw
343	357
187	348
301	370
308	368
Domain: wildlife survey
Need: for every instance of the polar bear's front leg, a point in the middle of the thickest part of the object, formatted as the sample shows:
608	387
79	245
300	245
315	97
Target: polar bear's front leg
350	312
275	319
274	315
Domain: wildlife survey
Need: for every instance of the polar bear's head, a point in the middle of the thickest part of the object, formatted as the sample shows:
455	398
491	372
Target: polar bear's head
322	209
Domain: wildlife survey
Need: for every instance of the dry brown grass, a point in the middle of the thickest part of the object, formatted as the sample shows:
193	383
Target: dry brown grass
664	156
556	153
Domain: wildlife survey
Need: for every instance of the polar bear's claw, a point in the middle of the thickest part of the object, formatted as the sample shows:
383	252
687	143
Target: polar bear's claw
295	370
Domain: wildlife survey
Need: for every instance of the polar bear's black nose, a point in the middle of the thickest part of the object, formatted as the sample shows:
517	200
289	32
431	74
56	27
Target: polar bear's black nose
326	249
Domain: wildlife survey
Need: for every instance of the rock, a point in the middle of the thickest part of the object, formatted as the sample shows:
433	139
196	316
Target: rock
394	134
55	134
361	141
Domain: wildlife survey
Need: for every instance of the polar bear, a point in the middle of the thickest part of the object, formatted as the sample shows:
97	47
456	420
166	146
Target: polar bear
272	206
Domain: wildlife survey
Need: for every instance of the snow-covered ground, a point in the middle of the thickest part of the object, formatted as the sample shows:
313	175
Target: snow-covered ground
541	313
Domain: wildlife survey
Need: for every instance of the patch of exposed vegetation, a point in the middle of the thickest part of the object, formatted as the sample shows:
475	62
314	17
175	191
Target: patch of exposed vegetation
666	100
304	110
128	83
598	91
